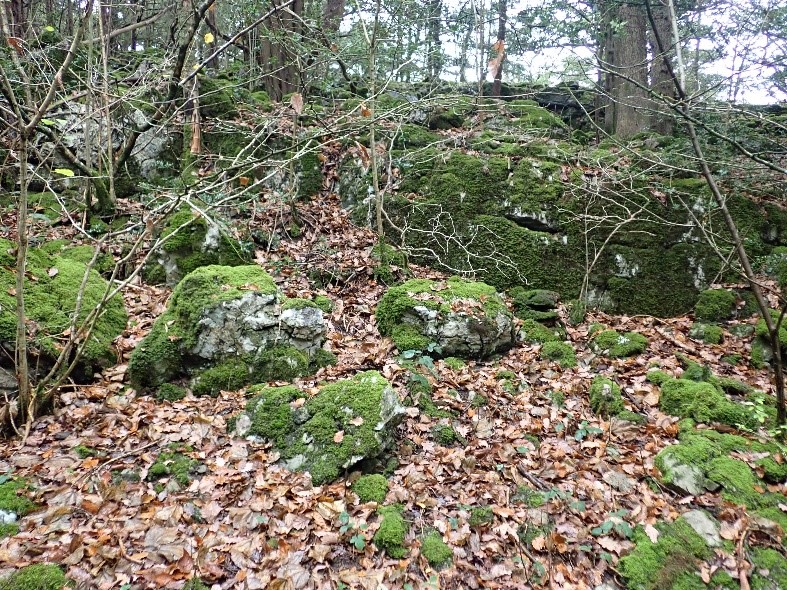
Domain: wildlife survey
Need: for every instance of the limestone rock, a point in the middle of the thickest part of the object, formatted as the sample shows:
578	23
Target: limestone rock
705	526
346	422
448	318
232	324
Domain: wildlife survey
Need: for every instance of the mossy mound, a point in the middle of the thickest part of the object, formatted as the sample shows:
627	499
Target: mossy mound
40	576
457	317
605	397
704	401
537	333
560	352
536	304
761	349
371	488
170	392
612	343
390	535
481	516
669	564
52	286
192	242
12	498
226	326
347	421
715	305
708	333
436	552
175	464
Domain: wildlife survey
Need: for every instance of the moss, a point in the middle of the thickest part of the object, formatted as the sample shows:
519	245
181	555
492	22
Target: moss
390	535
605	397
427	406
322	358
51	288
400	300
160	356
410	136
407	337
481	516
660	565
708	333
617	345
445	435
40	576
479	401
324	303
297	303
577	310
731	359
703	402
530	497
453	363
737	479
173	464
84	452
371	488
281	363
12	498
658	376
697	372
187	234
309	175
537	333
216	98
715	305
770	569
8	530
170	392
630	416
195	584
229	375
562	352
350	406
435	550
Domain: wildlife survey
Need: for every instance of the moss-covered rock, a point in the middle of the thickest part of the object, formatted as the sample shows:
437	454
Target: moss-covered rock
708	333
703	402
52	289
391	533
13	501
371	488
536	333
458	317
667	564
347	421
605	397
535	304
436	552
40	576
193	241
560	352
612	343
226	326
715	305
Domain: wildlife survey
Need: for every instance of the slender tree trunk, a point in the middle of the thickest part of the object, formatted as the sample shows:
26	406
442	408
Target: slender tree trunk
434	27
278	54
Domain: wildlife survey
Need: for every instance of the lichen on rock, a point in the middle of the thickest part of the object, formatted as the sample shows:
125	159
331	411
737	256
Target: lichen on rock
461	318
344	423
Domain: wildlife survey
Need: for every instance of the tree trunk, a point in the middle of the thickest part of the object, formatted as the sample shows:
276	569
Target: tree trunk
625	64
502	17
434	27
661	51
277	57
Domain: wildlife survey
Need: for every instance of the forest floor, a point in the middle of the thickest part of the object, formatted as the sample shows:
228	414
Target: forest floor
243	522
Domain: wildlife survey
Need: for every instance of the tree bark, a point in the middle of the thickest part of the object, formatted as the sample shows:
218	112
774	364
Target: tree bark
277	57
502	18
435	47
661	51
624	61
